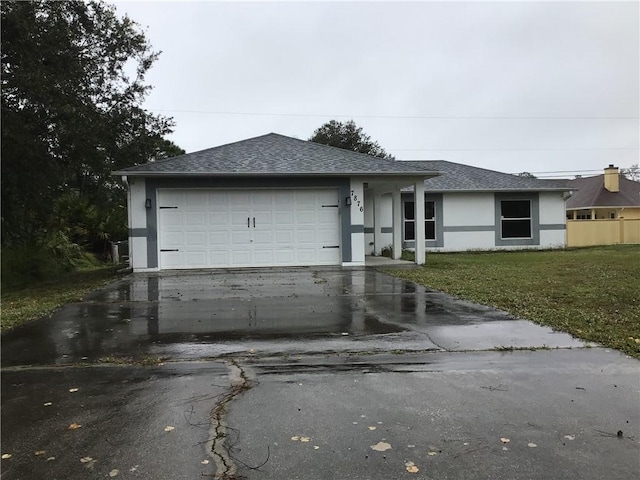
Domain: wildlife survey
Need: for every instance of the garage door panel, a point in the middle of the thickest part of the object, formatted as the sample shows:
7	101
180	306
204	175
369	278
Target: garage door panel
172	260
214	228
218	200
218	219
196	239
219	257
219	239
195	199
240	237
285	237
263	257
172	239
171	217
263	238
196	259
194	219
240	257
284	218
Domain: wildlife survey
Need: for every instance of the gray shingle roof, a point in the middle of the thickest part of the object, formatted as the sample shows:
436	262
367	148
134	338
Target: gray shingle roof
591	193
274	154
464	178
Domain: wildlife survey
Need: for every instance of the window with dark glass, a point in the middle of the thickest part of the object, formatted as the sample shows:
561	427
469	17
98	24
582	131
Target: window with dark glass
429	220
515	218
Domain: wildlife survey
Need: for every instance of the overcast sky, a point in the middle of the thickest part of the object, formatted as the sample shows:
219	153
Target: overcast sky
510	86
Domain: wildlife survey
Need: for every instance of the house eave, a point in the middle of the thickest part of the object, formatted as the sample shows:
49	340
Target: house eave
489	190
592	207
422	174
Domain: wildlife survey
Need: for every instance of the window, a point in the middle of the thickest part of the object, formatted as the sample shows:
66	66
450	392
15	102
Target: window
515	219
429	220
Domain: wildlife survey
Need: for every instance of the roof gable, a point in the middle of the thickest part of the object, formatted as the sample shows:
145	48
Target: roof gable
275	154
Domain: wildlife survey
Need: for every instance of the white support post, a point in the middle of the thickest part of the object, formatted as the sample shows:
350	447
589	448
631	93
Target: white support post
377	224
397	223
420	233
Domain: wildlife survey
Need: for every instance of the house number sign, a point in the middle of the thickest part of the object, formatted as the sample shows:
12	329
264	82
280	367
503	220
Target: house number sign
357	202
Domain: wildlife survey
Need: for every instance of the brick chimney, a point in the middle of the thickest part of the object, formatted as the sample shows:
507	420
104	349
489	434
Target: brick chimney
612	178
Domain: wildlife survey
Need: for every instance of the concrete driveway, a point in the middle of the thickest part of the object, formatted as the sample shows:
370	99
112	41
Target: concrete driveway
308	373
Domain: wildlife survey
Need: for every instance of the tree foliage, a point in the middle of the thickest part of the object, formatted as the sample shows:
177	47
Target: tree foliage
348	136
73	80
632	173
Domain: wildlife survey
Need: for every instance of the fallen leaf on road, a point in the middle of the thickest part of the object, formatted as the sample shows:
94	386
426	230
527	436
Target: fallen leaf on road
168	428
51	459
431	454
411	467
74	426
372	428
40	452
316	447
114	472
570	437
381	447
205	462
505	449
355	423
48	404
133	469
505	440
6	456
305	439
295	438
86	459
73	390
532	445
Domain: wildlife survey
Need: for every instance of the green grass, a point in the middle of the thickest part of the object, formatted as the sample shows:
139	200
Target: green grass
592	293
41	298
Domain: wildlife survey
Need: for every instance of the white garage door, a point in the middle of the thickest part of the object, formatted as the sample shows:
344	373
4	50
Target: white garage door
242	228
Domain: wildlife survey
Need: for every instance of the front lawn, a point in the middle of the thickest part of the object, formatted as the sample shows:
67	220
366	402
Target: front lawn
592	293
41	298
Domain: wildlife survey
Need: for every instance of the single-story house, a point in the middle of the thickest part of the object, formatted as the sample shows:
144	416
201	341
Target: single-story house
470	208
266	201
279	201
603	210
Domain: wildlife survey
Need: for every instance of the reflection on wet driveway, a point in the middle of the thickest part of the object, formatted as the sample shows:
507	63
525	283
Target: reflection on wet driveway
204	314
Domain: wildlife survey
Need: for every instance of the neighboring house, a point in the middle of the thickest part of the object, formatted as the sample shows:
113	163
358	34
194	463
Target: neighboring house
469	208
266	201
606	196
603	210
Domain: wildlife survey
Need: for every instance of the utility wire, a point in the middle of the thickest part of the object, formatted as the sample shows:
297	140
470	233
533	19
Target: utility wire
506	149
410	117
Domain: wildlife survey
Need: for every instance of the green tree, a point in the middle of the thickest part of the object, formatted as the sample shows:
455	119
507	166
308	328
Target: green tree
348	136
73	81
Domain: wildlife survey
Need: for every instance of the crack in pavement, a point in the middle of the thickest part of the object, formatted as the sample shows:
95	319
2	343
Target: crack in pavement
216	447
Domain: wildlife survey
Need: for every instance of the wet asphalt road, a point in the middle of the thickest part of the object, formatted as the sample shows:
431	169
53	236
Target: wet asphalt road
297	373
